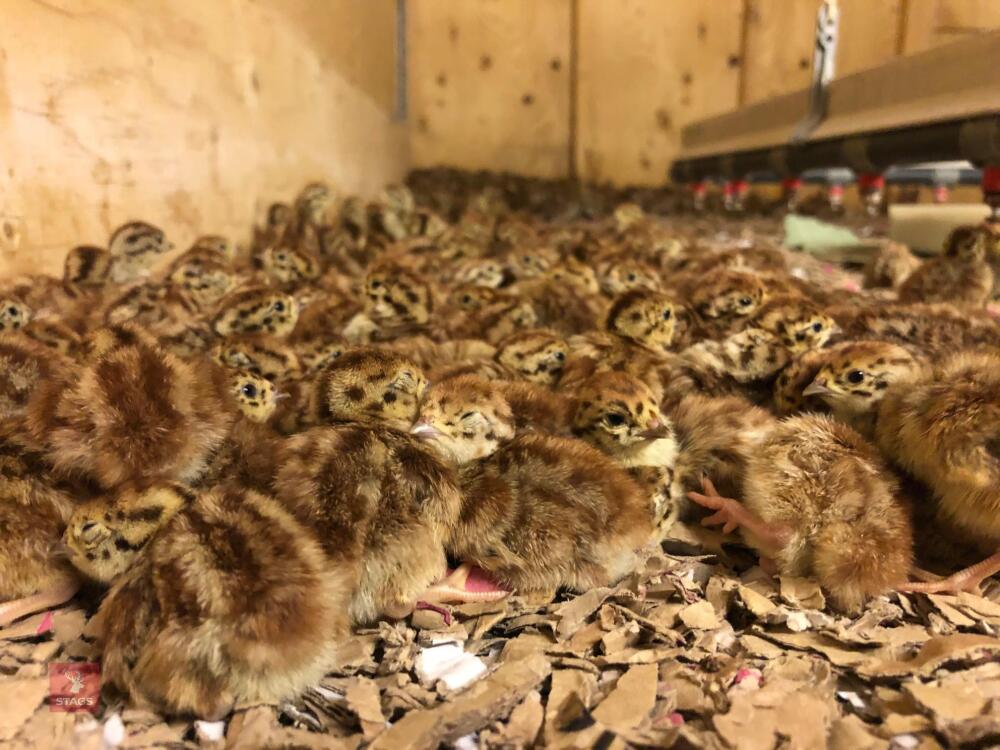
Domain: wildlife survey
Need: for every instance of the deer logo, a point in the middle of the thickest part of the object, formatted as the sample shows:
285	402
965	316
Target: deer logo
76	683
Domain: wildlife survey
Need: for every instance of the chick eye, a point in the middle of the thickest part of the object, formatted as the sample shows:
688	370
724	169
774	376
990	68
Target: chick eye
855	376
13	310
615	420
560	356
88	526
466	298
376	284
527	259
282	257
631	277
279	306
745	301
817	327
666	314
468	415
249	390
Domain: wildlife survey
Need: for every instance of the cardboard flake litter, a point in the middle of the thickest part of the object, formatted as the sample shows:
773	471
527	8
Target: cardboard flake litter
693	651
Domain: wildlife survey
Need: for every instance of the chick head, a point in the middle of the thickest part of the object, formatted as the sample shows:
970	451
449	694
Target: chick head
394	294
289	266
616	411
857	374
726	294
797	322
316	354
215	244
87	265
255	395
256	311
530	262
623	274
576	276
645	317
464	419
370	385
485	272
14	314
473	297
105	536
536	355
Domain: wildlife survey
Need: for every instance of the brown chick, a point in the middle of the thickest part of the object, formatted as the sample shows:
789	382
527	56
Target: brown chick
819	501
24	365
724	299
856	376
716	437
380	501
87	266
961	275
890	266
935	328
944	428
535	355
648	319
798	323
106	535
619	414
247	453
33	513
232	600
256	311
288	268
262	355
743	363
538	513
133	412
135	247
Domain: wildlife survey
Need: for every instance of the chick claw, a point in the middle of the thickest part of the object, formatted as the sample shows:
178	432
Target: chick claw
733	514
729	512
455	589
967	579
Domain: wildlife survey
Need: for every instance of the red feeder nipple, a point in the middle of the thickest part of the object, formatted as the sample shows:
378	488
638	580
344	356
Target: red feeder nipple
991	180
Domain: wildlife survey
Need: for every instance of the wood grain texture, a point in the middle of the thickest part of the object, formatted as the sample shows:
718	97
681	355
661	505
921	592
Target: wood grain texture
647	68
931	23
489	84
193	116
779	47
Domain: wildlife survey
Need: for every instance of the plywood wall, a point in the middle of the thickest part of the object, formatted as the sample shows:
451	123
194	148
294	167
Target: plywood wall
640	70
189	115
489	84
646	68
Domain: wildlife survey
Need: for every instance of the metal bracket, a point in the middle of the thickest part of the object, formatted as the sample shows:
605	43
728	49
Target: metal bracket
823	68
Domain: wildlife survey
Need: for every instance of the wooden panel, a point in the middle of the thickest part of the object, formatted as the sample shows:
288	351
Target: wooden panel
647	68
191	115
779	47
869	34
930	23
489	84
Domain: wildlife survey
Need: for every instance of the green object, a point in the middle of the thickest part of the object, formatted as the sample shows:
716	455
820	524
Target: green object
809	234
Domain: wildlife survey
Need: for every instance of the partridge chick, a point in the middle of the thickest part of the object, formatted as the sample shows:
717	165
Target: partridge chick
538	512
819	501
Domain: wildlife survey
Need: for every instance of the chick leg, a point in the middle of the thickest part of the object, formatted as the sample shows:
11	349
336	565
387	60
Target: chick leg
967	579
733	514
463	585
12	610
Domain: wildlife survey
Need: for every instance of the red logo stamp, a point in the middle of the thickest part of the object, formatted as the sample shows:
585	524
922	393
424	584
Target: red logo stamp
74	686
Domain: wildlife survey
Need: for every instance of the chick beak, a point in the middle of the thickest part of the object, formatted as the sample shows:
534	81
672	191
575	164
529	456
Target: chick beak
425	431
281	396
816	388
655	431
